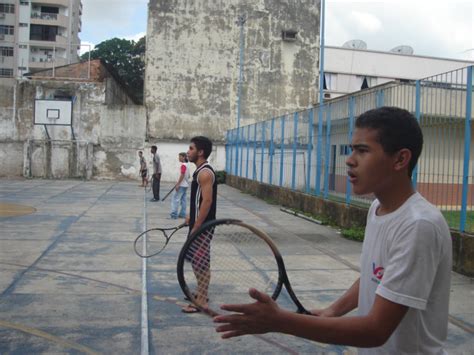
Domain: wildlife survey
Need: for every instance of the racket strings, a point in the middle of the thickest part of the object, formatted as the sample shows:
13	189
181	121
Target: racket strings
223	263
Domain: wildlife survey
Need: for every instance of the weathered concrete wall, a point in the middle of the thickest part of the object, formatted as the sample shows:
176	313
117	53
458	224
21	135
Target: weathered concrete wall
106	137
346	216
192	64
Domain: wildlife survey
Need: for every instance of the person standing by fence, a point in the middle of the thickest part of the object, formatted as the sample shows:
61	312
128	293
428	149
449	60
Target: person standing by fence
178	201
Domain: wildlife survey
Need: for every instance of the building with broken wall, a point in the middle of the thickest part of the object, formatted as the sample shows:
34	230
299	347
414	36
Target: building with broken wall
106	132
192	66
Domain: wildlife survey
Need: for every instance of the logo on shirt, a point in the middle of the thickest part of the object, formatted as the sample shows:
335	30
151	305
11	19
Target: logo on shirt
378	273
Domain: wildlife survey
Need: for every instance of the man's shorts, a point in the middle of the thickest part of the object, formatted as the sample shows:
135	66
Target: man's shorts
199	253
144	173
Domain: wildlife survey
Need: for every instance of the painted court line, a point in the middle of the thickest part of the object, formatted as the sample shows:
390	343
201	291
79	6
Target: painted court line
144	323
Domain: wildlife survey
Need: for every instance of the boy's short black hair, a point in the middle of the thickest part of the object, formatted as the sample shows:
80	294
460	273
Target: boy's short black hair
154	147
397	129
204	144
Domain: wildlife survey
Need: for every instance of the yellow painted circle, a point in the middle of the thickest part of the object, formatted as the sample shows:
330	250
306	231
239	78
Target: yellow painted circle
12	209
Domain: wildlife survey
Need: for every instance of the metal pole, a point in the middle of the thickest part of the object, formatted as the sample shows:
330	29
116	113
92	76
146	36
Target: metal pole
241	20
467	149
321	101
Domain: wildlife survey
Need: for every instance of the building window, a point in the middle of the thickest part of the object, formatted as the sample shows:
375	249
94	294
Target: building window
330	81
22	68
23	46
344	149
6	72
7	8
289	35
367	82
24	3
6	51
23	24
6	30
43	33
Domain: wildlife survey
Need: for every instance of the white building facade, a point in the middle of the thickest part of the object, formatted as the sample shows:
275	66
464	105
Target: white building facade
349	70
36	35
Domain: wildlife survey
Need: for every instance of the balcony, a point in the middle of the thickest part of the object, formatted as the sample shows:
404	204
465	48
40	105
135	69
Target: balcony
45	63
42	18
61	42
64	3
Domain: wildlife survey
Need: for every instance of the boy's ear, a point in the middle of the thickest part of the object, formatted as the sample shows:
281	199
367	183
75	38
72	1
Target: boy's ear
402	159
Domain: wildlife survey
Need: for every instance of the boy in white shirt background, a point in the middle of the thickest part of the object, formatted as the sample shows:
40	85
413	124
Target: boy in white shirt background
178	200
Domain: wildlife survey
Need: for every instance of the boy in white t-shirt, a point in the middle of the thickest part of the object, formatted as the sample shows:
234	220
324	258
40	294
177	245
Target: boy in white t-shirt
402	294
178	201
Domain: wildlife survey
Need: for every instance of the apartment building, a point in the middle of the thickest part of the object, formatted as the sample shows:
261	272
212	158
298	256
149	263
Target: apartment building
38	34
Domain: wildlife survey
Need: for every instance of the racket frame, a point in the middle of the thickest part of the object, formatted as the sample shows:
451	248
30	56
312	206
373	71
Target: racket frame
282	274
163	232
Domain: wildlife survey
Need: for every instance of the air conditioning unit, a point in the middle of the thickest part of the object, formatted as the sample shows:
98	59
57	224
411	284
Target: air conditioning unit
2	15
2	37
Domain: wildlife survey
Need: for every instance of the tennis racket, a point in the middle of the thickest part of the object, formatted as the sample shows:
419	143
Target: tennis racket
223	259
169	193
156	240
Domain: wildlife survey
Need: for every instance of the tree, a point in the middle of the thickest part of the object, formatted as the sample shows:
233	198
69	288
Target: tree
127	58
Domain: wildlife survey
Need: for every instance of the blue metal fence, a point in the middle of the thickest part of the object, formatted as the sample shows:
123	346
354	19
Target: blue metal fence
306	150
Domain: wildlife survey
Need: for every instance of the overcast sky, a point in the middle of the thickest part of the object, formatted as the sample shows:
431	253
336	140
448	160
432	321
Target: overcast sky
440	28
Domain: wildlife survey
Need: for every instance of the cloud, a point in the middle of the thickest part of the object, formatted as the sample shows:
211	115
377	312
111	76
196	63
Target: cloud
432	28
367	22
135	37
85	47
106	19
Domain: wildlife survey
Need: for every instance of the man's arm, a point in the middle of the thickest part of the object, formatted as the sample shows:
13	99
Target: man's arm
205	180
343	305
265	316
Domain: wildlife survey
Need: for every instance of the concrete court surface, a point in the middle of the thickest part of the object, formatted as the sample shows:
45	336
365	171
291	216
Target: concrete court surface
70	282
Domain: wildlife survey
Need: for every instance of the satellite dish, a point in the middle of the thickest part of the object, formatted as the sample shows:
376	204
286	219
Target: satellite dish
407	50
355	44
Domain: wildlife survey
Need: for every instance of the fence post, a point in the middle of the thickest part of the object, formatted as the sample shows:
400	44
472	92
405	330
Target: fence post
328	151
248	152
254	175
467	147
241	139
295	144
270	175
263	151
310	149
227	157
414	176
282	148
351	125
319	153
236	168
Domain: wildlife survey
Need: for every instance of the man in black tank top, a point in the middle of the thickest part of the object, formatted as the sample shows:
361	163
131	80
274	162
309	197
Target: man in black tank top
202	209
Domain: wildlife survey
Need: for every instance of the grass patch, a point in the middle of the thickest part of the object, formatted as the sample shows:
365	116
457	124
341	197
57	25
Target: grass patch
354	233
454	219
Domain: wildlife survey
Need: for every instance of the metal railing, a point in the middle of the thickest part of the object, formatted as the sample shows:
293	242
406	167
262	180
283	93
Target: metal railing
307	150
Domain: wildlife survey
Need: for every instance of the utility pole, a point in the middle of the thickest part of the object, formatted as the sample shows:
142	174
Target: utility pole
240	22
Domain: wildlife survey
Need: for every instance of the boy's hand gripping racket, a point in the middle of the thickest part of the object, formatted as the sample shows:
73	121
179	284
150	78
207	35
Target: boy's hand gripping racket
156	240
223	259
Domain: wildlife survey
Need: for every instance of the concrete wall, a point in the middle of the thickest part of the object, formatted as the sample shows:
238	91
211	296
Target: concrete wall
345	216
106	137
192	64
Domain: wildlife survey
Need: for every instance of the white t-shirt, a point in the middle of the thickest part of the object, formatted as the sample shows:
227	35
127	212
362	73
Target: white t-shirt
406	258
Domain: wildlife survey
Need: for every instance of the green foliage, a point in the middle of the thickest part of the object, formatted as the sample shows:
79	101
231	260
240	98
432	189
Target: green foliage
127	58
221	176
354	233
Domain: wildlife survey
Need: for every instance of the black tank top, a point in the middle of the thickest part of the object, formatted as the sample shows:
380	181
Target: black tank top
196	197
